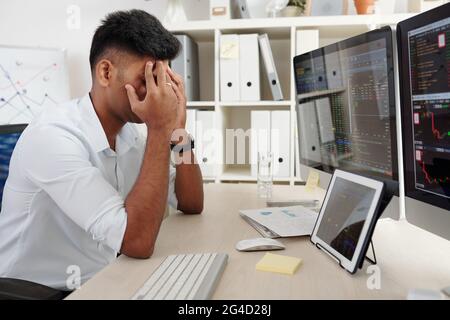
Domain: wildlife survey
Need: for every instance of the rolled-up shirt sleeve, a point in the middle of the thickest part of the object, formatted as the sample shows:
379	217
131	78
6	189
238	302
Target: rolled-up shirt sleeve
61	168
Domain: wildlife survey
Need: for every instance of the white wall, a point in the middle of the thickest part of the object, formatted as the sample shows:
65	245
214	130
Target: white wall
44	23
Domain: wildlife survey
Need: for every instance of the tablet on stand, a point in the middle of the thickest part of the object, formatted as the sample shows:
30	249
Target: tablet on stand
347	219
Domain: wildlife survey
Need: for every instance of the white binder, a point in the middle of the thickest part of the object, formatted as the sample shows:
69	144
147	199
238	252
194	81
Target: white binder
307	40
280	143
308	132
260	137
191	127
334	71
206	143
272	75
191	118
229	68
325	120
296	150
249	67
242	8
186	65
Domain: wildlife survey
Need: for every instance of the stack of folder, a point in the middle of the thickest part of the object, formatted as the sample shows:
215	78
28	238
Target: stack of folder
239	67
201	124
276	222
271	132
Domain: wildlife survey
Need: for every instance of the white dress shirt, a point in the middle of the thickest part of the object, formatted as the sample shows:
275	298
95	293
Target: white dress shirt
63	202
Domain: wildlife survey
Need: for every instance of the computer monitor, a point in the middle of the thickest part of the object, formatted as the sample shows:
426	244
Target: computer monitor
346	111
9	134
424	49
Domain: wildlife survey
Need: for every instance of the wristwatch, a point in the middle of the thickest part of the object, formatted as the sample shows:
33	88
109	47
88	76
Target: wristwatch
180	148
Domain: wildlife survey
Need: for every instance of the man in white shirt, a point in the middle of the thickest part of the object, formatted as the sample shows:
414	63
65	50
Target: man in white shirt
83	184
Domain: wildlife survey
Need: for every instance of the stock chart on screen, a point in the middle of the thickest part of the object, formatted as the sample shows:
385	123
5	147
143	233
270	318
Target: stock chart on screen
429	55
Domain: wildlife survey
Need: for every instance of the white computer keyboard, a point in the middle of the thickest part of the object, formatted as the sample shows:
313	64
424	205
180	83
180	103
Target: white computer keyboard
184	277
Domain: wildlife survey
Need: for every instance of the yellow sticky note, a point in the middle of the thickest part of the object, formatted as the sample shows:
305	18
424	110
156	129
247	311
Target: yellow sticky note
277	263
229	50
313	180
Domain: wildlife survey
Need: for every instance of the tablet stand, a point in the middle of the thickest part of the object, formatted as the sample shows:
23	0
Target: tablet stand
374	261
381	207
361	264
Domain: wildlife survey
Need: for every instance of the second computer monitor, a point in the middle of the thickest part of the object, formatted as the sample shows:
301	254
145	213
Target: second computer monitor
346	107
424	49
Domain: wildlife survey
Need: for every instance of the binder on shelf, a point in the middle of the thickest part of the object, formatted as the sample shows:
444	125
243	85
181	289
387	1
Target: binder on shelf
272	75
325	120
191	119
280	143
186	65
297	151
334	71
229	68
249	67
206	143
219	9
308	132
260	137
307	40
191	127
242	9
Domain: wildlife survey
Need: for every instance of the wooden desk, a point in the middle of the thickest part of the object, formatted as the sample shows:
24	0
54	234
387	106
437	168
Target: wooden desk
408	257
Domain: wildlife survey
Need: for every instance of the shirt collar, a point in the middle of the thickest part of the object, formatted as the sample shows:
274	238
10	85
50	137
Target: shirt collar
126	139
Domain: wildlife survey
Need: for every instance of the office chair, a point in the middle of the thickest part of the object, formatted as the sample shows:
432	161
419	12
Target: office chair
16	289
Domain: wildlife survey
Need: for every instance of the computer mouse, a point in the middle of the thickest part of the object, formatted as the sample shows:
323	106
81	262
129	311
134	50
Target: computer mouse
259	244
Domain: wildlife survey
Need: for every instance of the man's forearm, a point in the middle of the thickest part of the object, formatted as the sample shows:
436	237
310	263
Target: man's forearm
146	202
189	185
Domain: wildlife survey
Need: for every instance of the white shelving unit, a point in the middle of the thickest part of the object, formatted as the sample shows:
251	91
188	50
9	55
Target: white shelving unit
283	40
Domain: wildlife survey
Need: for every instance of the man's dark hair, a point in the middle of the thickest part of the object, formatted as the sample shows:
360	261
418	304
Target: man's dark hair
136	32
